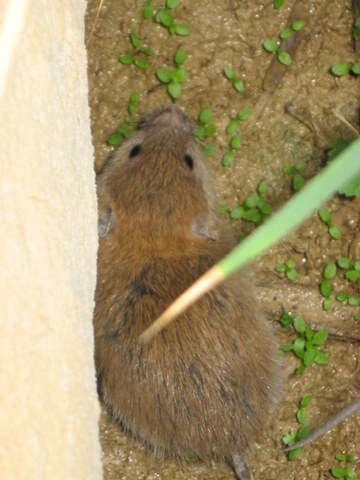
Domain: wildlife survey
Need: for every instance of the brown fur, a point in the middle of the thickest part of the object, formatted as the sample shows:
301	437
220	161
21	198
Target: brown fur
207	383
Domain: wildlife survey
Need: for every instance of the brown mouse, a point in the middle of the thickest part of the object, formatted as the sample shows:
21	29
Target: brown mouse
206	384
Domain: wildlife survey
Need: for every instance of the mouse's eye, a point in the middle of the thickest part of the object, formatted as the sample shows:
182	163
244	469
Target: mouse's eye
135	151
189	161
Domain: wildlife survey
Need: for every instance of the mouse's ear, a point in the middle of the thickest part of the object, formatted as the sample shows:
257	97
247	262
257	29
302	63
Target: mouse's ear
106	221
201	228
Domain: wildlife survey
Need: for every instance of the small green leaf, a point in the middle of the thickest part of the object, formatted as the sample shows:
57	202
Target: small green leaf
320	337
229	73
141	63
135	40
287	33
205	116
210	130
324	216
355	69
344	263
164	17
357	265
126	59
180	57
287	347
270	46
299	166
338	472
174	90
290	263
172	3
299	324
340	457
134	98
340	69
321	358
179	75
244	114
298	347
294	454
115	139
352	275
284	58
301	414
278	4
146	51
297	25
148	10
132	108
289	438
303	432
281	267
353	301
164	75
304	402
350	458
292	275
236	142
357	317
199	132
309	357
252	215
298	182
251	201
265	209
286	320
330	271
262	188
232	126
327	304
182	30
325	288
228	159
239	85
341	297
335	232
289	170
209	150
237	213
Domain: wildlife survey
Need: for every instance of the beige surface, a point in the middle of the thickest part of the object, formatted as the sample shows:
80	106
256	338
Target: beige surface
48	241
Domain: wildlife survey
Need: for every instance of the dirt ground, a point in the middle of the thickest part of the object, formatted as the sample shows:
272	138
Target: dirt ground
294	122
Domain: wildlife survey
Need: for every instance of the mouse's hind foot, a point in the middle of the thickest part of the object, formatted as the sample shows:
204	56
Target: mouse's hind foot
242	471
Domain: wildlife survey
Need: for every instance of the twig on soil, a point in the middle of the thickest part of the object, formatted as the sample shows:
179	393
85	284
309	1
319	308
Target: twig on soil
95	22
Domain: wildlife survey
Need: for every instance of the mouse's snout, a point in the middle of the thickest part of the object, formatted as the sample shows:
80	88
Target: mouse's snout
174	118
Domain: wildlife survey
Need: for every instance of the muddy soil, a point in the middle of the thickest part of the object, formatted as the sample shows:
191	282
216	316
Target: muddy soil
293	122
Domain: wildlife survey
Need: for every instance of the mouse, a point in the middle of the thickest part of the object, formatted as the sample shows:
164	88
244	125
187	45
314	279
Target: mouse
327	426
208	383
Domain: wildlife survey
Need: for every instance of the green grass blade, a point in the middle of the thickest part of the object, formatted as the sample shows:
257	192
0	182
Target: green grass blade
344	168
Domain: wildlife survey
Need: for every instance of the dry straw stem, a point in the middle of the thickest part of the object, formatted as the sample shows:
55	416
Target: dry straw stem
95	22
343	169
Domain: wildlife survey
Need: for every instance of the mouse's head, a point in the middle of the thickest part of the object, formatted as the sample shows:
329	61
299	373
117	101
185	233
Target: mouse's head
158	179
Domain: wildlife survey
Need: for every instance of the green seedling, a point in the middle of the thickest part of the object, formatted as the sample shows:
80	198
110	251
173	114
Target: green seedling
289	269
141	63
237	83
126	129
164	18
325	217
346	471
306	345
278	4
236	141
205	130
272	46
254	208
148	11
304	430
342	69
174	78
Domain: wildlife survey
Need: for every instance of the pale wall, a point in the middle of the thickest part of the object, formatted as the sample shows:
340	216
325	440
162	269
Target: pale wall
48	241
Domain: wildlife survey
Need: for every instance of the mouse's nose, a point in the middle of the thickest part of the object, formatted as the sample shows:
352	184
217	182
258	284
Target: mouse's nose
173	117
